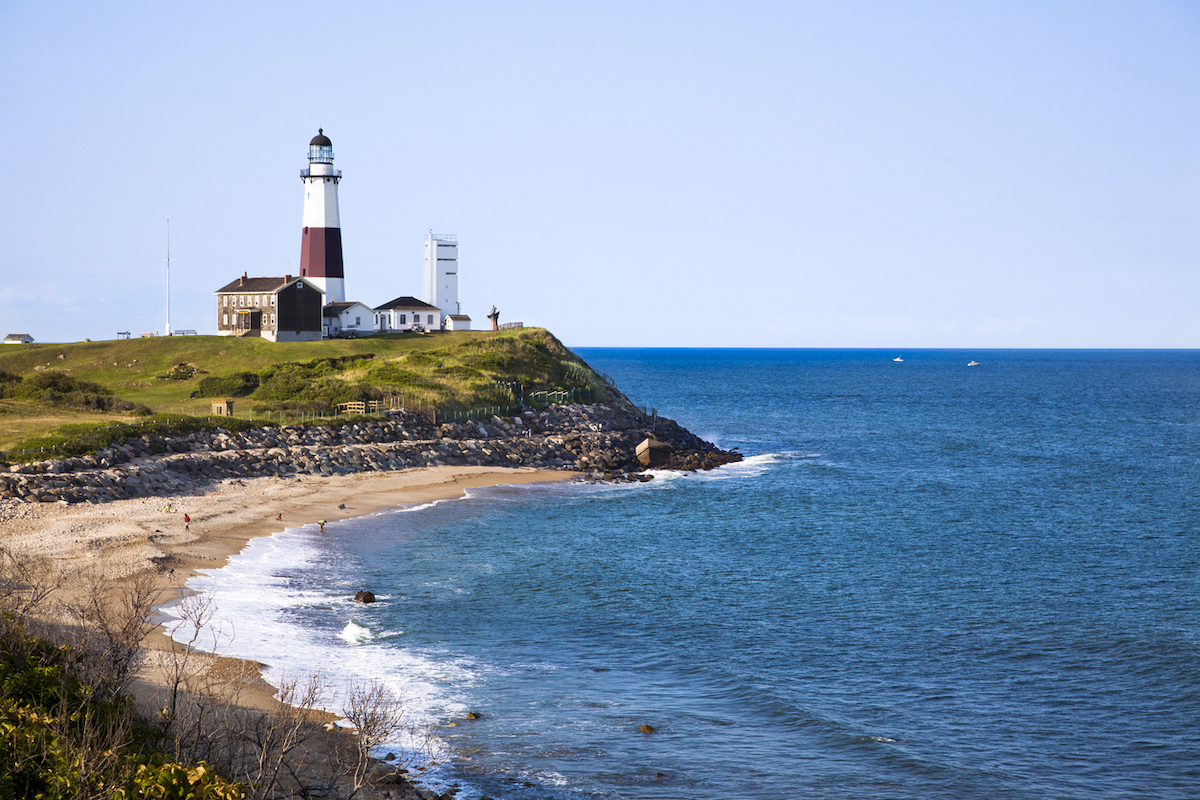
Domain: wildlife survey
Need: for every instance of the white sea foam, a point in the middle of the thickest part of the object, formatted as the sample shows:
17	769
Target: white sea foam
355	634
749	467
255	608
418	506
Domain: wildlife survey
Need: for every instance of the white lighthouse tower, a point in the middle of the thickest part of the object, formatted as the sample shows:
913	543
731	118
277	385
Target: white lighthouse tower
321	245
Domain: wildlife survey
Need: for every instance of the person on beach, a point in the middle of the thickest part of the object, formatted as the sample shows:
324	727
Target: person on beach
279	517
321	524
170	576
187	521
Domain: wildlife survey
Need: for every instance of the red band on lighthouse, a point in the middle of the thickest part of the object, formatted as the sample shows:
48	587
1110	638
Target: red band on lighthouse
321	253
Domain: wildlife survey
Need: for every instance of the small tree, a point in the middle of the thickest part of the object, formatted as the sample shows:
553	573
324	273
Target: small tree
115	619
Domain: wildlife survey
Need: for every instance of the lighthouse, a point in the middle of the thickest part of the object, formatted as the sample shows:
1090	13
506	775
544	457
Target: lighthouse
321	244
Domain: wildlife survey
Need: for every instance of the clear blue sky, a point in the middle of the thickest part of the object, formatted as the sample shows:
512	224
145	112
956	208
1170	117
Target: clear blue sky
791	174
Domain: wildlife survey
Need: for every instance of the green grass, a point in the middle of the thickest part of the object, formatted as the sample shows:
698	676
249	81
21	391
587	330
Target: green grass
131	367
183	375
81	438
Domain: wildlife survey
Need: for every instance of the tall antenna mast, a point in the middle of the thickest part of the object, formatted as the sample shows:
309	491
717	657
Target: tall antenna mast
168	261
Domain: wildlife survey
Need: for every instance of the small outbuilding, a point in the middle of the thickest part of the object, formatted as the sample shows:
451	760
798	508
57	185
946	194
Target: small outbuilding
18	338
222	408
348	319
457	322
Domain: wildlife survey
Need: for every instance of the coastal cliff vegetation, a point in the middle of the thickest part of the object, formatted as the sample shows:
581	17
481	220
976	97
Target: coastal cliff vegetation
70	395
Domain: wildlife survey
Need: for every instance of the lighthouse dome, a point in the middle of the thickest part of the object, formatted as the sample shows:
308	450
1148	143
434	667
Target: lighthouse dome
320	149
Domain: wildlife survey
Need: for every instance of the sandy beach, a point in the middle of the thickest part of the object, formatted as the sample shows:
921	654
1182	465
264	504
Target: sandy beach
121	539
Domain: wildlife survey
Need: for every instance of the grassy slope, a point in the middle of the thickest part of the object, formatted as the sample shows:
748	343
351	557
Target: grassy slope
27	419
441	369
130	367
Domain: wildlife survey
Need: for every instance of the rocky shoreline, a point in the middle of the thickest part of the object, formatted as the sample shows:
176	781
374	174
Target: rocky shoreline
600	440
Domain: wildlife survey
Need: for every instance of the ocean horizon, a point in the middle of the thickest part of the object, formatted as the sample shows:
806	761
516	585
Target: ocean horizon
925	580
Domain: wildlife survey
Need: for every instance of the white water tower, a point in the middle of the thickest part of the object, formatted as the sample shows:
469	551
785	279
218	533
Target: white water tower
441	273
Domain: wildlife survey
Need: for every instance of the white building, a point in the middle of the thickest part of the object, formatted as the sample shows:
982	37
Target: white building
406	314
348	318
441	274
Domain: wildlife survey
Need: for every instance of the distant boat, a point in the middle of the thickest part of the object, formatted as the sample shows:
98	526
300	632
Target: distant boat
972	363
897	358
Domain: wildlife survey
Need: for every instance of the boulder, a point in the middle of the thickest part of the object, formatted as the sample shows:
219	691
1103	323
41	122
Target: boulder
364	597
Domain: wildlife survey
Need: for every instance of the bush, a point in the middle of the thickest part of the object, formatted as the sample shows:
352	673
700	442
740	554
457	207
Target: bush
62	389
239	384
171	781
181	372
391	374
65	737
54	385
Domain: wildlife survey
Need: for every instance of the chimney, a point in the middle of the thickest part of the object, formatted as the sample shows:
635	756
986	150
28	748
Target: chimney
242	280
287	278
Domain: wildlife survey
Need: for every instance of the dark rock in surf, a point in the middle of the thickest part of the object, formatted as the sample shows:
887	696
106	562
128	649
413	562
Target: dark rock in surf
364	597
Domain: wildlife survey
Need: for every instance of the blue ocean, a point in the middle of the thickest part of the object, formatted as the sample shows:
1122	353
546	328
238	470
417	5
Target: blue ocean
925	580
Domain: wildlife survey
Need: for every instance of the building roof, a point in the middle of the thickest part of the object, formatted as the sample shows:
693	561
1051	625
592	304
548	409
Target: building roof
244	285
320	140
334	309
18	337
407	303
459	317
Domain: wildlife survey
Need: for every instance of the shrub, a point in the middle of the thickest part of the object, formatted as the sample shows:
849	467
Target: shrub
392	374
181	372
171	781
239	384
55	385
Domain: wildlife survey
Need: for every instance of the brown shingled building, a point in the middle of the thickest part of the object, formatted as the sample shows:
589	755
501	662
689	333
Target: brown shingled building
286	309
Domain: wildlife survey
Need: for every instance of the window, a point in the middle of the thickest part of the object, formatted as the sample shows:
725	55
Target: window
272	319
226	299
272	301
357	322
429	319
224	319
404	319
256	300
